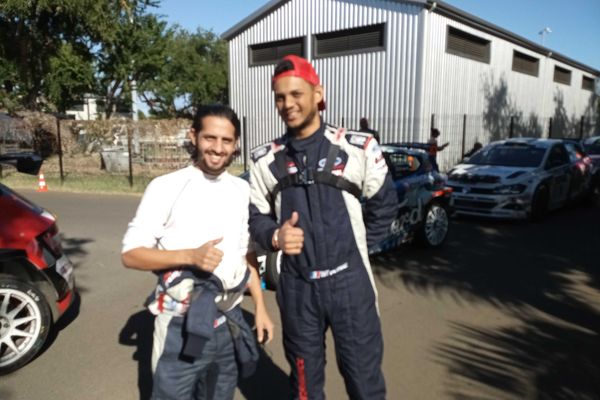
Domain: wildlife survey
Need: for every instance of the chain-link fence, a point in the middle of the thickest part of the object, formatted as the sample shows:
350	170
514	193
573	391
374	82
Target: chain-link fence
463	131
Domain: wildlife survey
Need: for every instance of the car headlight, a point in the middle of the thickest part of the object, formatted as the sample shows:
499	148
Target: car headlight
510	189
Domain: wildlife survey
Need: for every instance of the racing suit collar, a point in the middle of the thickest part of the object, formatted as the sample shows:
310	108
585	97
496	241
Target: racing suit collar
301	144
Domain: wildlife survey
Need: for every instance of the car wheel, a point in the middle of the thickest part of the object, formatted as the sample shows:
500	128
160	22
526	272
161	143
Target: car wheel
432	232
272	270
25	321
539	204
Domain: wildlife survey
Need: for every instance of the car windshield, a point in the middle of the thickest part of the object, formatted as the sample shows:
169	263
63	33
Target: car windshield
593	148
509	156
402	165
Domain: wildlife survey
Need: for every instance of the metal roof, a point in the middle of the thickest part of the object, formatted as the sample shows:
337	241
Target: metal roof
442	9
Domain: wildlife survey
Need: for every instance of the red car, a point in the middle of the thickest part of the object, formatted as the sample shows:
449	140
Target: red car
36	277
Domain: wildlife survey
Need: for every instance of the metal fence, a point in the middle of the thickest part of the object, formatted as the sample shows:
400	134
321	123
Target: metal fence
128	154
460	131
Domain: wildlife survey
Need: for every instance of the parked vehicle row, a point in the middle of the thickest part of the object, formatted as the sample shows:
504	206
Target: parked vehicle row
591	147
36	277
520	178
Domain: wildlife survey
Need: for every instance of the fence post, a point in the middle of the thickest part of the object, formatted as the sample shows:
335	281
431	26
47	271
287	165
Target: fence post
432	121
245	149
581	127
342	122
60	160
129	154
512	127
550	128
464	136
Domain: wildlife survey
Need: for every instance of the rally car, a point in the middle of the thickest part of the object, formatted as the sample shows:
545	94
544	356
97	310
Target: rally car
591	146
423	214
517	179
36	277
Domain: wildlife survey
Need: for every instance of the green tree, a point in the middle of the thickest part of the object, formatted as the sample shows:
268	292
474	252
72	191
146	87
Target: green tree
33	32
36	36
68	78
194	72
134	53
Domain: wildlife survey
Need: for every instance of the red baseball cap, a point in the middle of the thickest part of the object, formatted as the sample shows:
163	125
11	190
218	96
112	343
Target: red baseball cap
302	68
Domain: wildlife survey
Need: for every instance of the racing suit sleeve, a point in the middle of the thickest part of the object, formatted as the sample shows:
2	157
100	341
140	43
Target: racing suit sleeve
381	204
262	219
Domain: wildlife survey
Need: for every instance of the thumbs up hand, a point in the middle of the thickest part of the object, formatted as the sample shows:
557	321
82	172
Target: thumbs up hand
207	257
289	238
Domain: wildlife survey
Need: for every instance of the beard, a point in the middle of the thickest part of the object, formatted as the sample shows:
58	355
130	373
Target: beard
306	122
205	167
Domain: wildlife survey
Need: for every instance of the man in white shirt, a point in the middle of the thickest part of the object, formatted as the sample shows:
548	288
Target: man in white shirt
191	228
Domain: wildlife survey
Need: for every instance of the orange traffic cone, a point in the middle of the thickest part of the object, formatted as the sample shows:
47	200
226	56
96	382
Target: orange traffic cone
42	187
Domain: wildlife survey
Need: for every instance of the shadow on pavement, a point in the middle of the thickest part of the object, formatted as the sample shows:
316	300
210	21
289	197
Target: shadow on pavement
546	274
269	382
137	332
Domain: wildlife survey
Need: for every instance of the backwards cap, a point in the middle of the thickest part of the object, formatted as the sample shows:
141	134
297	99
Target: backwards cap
301	68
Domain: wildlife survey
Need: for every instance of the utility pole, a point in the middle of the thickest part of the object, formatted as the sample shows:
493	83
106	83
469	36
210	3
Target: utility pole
133	88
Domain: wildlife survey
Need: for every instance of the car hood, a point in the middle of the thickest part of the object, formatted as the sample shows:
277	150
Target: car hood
491	174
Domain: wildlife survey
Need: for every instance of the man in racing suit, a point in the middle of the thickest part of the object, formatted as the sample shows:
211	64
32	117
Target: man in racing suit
191	228
305	199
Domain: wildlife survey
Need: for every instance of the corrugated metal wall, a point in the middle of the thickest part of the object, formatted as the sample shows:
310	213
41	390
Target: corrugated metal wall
489	94
381	86
399	89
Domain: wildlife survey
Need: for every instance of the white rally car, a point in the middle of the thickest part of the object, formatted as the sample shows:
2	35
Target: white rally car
515	179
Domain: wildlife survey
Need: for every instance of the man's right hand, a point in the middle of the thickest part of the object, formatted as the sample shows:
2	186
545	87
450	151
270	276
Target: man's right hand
290	237
207	257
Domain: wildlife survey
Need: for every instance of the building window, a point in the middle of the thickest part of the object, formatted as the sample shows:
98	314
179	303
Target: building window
562	75
464	44
525	64
350	41
587	83
272	52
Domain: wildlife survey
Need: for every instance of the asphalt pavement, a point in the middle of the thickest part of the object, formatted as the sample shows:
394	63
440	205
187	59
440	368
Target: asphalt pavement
505	310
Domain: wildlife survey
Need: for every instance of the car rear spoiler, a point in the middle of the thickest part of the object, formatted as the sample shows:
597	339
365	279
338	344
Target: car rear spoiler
410	145
27	163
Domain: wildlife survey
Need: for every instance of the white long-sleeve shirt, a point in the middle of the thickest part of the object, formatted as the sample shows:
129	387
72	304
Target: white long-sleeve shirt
185	209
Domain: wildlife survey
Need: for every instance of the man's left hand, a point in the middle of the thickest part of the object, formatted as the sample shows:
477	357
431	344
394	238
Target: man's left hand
264	326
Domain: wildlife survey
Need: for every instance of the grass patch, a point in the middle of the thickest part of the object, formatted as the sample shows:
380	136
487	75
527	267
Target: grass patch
106	183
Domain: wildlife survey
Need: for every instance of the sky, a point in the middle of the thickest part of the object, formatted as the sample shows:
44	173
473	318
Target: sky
574	24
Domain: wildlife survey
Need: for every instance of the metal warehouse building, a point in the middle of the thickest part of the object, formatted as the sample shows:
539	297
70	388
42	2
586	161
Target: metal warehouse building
409	66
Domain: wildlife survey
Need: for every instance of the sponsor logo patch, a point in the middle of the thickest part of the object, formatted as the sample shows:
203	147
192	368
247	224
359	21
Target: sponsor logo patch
358	140
337	164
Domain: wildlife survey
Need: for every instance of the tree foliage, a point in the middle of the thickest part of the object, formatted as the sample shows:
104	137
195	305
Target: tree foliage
33	32
68	78
55	52
136	53
194	72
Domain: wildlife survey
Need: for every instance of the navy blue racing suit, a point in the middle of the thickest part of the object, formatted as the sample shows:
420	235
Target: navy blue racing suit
330	284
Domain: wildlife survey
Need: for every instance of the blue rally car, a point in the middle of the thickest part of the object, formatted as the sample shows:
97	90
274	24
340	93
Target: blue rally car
423	213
